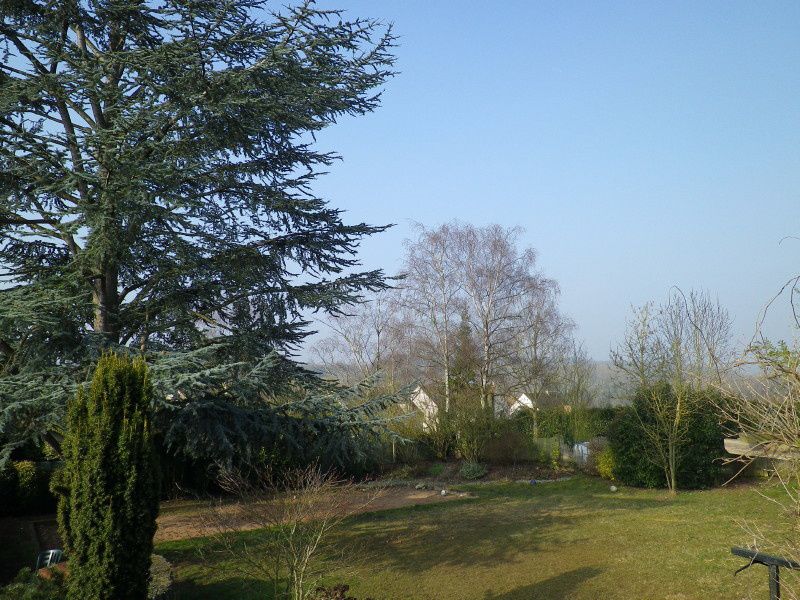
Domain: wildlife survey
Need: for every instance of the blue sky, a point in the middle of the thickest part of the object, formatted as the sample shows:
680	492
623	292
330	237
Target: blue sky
640	145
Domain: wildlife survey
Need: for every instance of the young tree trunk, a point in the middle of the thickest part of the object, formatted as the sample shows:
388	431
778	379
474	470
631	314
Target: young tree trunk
672	470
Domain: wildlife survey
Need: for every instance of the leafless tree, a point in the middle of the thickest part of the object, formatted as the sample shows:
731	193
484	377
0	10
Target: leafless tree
761	404
431	291
498	280
576	376
669	351
543	344
684	341
365	341
294	515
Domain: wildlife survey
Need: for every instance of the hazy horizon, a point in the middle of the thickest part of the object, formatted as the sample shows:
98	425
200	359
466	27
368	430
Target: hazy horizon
641	147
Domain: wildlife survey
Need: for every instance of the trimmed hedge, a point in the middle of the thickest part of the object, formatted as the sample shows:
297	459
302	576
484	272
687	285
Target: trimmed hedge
578	425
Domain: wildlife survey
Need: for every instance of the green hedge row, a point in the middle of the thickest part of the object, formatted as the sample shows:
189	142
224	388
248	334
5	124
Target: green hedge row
25	488
577	425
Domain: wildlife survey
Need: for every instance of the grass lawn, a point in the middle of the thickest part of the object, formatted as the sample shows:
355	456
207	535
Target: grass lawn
573	539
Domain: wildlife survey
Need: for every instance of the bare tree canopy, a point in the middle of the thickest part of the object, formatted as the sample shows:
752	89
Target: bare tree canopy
472	315
684	341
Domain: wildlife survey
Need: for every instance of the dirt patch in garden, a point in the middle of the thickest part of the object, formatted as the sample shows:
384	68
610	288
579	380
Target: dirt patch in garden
438	473
182	519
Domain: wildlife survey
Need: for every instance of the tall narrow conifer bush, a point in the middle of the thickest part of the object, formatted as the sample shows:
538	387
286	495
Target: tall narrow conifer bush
109	486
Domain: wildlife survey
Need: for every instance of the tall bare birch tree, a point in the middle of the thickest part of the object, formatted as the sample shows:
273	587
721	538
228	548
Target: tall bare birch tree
431	293
498	277
543	344
364	342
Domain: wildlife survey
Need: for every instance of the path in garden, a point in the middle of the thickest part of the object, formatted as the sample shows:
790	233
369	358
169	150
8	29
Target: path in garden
184	519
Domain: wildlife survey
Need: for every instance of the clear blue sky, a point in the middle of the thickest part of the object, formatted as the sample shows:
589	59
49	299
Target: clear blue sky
640	145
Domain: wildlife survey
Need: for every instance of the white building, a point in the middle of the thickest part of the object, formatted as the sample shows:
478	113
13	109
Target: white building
524	402
425	405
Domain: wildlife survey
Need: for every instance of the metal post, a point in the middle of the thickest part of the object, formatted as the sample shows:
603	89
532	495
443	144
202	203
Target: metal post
774	583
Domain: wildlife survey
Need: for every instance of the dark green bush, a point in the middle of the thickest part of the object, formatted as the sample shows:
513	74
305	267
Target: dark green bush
507	444
700	456
631	452
701	466
109	484
436	470
439	442
337	592
549	422
473	430
24	488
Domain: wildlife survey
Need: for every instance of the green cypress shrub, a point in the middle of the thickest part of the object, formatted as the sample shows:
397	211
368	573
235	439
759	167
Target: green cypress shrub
109	484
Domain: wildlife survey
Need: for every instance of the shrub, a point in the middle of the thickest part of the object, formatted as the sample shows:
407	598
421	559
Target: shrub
33	493
436	470
604	463
543	449
551	421
337	592
472	470
632	465
473	426
27	585
24	488
699	463
161	579
403	472
298	512
594	447
109	484
555	457
439	442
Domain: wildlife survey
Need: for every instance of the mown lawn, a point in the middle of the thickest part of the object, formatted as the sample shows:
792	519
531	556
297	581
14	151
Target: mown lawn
573	539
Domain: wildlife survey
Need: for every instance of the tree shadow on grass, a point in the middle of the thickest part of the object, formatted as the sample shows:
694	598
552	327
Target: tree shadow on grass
230	588
500	530
558	587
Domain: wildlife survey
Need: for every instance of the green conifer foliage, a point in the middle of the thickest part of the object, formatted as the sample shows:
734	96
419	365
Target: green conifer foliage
109	485
157	161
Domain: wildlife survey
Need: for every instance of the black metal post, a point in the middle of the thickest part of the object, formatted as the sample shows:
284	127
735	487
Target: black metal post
774	563
774	583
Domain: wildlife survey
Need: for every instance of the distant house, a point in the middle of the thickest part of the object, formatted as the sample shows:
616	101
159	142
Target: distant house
524	402
426	406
